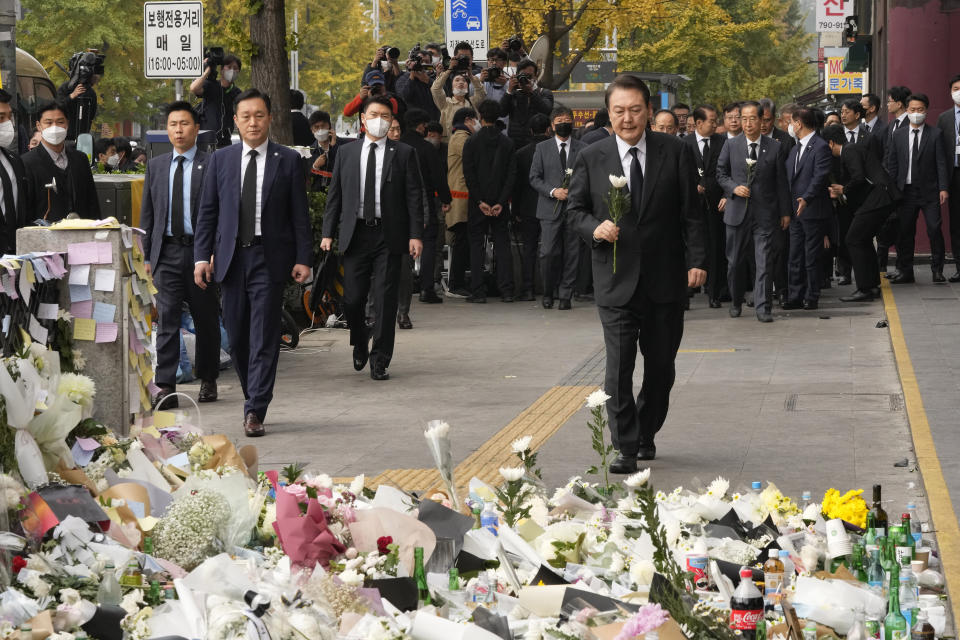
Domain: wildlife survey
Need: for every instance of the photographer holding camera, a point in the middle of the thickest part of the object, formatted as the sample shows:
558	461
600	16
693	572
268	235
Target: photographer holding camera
414	85
218	93
523	99
77	94
495	76
460	70
387	61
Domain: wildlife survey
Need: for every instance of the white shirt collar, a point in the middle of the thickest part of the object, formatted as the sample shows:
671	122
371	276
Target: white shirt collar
920	128
700	138
560	142
871	123
855	128
731	136
757	141
261	150
623	148
382	142
806	139
902	116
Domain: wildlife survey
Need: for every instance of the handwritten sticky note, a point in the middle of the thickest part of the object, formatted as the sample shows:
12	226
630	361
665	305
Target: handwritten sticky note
104	312
82	253
84	329
88	444
162	419
80	292
37	330
80	274
106	332
82	309
47	310
80	455
104	253
105	280
26	287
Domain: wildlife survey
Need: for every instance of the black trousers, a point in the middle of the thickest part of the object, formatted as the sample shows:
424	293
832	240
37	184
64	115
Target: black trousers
844	259
559	244
529	228
806	246
479	226
173	276
584	284
428	258
781	260
657	329
368	257
459	256
716	251
859	241
954	211
251	315
913	203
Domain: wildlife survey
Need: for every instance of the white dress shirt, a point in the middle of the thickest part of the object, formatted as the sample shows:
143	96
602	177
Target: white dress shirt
626	159
261	166
364	152
803	144
13	181
910	138
871	124
855	131
559	142
59	157
700	141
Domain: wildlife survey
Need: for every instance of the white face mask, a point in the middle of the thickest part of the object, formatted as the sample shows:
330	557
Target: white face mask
460	91
956	97
54	135
476	126
321	134
113	161
436	60
791	130
229	75
917	118
6	133
385	65
377	127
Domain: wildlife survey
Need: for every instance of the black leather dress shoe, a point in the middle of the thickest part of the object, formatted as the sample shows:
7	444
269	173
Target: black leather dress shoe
810	305
858	296
430	297
764	316
844	281
403	321
735	310
526	296
378	372
208	391
477	299
361	353
166	399
903	278
938	276
789	305
547	302
648	452
252	426
624	464
583	297
891	275
564	304
506	298
955	277
714	303
875	292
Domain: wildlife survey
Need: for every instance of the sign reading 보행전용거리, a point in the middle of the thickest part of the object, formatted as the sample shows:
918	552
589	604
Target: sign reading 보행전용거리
172	39
466	21
832	14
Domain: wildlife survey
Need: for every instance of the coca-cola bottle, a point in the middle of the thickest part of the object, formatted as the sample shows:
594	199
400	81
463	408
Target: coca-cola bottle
746	606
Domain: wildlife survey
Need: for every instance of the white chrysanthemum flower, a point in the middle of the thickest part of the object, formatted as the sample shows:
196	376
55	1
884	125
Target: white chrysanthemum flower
751	162
718	487
69	596
812	511
511	474
569	172
638	479
356	487
597	399
439	430
618	182
77	388
521	444
351	578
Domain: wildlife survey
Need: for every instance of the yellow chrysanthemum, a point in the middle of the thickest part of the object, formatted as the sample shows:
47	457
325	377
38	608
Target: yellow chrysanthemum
849	506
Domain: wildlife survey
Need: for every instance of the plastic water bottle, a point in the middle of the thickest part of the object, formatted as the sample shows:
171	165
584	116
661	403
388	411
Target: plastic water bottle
909	602
789	568
109	591
914	522
810	631
489	519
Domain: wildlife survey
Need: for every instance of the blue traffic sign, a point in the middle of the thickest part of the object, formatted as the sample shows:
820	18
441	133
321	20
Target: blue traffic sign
466	15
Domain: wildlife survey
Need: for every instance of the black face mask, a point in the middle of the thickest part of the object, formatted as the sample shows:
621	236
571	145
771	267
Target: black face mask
563	129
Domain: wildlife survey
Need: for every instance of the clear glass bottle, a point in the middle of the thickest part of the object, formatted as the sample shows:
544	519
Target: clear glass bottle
858	630
914	523
132	577
109	591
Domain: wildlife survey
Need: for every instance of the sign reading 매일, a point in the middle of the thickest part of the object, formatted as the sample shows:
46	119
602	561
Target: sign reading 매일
832	14
837	81
466	21
172	39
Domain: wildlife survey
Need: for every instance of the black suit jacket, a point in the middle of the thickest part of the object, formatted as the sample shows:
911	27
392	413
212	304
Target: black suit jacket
401	206
947	123
880	134
13	220
78	195
284	220
707	173
810	180
434	178
155	205
489	166
661	241
525	196
933	176
865	182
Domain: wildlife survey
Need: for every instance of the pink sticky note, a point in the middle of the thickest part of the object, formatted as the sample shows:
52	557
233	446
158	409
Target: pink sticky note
88	444
82	309
106	332
104	253
82	253
135	343
153	389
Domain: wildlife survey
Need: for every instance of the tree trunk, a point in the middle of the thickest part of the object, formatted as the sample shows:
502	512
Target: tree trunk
270	67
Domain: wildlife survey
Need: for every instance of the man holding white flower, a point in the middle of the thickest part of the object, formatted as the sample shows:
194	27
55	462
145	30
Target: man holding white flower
550	175
643	260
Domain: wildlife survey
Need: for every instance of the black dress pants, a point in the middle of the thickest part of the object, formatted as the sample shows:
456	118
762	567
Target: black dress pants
479	226
859	241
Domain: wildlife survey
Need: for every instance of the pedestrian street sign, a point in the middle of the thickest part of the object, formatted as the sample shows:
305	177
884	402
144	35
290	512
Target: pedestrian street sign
466	21
172	39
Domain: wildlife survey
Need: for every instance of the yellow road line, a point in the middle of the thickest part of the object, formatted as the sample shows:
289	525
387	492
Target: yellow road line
941	506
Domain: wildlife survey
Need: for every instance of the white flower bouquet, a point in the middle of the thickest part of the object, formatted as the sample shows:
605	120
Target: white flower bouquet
438	441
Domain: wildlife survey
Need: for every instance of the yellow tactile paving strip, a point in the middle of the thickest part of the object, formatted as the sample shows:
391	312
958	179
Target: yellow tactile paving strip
941	506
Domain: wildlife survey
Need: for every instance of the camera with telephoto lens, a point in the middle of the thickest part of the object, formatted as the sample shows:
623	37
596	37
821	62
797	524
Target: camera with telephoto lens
463	63
387	52
416	56
494	73
515	43
524	78
83	66
214	57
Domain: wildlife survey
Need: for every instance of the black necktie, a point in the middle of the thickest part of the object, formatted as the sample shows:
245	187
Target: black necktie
9	205
248	200
796	165
753	150
915	158
706	152
636	180
850	135
176	204
563	156
370	185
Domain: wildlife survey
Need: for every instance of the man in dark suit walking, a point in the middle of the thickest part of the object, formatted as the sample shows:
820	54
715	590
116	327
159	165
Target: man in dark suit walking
781	244
870	197
168	215
253	233
559	243
524	206
808	173
753	177
949	125
707	145
660	252
13	180
375	200
917	163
